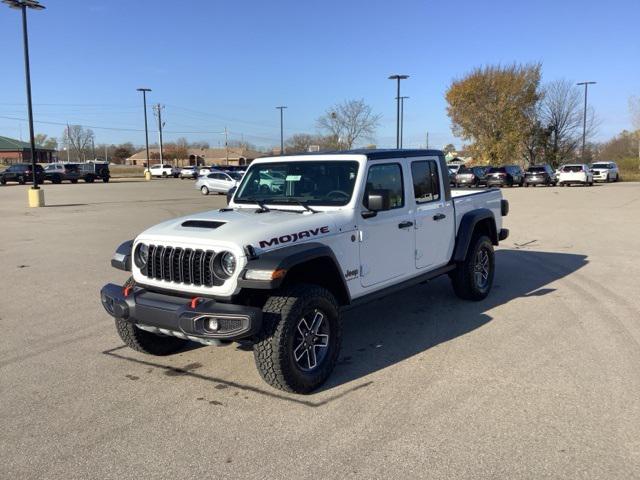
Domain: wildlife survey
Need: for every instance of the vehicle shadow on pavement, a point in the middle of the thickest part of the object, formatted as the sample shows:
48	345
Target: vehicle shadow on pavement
400	326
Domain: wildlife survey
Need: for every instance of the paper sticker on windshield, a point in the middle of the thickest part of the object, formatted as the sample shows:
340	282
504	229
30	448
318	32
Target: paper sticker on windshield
293	178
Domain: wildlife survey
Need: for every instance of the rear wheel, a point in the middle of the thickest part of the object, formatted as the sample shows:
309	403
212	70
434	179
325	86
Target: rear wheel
105	180
473	277
300	342
3	181
21	180
75	180
147	342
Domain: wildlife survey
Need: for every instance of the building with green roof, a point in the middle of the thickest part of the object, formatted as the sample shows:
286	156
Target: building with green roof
17	151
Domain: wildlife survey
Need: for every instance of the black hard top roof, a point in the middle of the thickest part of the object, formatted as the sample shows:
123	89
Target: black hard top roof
375	154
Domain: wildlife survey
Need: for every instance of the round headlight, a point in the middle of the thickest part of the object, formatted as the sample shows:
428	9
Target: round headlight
141	256
228	263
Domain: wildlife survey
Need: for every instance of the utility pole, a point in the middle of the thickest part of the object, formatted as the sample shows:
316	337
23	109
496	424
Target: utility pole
398	78
106	156
226	144
584	118
93	148
146	129
158	111
427	140
281	108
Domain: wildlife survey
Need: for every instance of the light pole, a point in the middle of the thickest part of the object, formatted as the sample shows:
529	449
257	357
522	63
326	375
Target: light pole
146	129
402	120
281	108
398	78
584	118
36	195
158	109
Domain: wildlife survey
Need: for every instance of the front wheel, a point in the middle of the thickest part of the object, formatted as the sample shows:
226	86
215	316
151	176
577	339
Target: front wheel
473	277
301	338
21	180
147	342
204	190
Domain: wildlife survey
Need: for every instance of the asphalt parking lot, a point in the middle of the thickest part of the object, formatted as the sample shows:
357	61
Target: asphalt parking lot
540	380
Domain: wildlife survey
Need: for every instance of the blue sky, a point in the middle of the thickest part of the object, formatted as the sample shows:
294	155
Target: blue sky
216	64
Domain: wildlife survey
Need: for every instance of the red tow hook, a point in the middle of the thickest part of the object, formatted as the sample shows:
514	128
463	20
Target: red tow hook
195	301
127	290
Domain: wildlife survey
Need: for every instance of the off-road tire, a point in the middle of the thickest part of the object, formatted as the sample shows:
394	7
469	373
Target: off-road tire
147	342
273	352
463	277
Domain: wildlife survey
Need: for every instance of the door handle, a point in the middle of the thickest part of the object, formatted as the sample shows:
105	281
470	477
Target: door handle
405	224
439	216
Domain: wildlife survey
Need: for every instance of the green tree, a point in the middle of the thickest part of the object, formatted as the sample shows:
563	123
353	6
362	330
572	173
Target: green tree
490	107
450	148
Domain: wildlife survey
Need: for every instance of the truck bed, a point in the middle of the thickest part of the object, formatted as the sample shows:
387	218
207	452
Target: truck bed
466	200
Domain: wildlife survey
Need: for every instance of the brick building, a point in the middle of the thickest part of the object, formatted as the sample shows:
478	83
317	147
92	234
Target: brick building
15	151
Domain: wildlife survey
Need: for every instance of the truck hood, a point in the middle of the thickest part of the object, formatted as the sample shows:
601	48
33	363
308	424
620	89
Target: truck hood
241	227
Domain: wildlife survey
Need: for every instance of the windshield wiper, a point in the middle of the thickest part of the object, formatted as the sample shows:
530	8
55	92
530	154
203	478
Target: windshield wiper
305	205
260	203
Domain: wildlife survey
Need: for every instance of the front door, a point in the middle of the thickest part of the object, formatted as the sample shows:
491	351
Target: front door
386	239
434	216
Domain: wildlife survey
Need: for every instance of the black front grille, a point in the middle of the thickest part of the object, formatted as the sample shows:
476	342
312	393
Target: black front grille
181	265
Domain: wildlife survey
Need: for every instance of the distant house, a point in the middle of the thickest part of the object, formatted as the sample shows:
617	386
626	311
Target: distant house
198	156
458	157
17	151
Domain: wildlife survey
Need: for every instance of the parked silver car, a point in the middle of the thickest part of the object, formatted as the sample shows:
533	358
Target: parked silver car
218	181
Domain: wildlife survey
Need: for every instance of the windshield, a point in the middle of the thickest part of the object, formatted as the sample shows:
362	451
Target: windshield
536	169
311	182
601	165
497	170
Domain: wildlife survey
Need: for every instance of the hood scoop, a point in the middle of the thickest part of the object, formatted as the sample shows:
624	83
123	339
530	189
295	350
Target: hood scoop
202	224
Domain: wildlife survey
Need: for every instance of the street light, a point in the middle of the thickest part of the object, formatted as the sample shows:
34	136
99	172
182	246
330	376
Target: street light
398	78
584	118
402	120
36	195
146	130
281	129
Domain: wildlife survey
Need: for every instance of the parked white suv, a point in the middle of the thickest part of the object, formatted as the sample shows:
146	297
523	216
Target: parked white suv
575	173
164	170
605	172
218	182
277	266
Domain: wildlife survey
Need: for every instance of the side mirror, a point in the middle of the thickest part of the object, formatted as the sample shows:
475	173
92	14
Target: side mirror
377	201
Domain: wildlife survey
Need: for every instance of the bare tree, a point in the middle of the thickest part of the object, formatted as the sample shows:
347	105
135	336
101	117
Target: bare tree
348	122
78	139
561	112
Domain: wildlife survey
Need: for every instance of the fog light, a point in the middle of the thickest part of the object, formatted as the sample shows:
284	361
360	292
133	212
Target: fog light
212	325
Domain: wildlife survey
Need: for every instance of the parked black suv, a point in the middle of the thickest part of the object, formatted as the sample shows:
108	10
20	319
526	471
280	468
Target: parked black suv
72	172
508	176
21	173
471	176
540	175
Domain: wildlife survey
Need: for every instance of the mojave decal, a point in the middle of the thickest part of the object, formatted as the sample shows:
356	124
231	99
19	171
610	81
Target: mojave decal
294	237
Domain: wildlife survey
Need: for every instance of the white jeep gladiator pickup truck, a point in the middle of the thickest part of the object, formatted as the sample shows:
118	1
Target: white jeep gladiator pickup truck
302	238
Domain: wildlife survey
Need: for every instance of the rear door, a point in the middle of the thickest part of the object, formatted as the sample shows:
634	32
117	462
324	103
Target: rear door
434	216
386	239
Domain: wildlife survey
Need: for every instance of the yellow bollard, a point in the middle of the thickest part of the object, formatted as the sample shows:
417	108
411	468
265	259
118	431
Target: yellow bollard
147	175
36	197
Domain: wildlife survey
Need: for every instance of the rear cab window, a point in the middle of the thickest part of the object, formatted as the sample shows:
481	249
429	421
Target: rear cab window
426	182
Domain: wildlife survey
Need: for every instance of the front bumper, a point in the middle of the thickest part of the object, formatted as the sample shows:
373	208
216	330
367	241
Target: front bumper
181	316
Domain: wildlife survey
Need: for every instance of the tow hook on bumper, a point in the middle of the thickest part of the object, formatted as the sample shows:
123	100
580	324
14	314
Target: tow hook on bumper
207	320
504	233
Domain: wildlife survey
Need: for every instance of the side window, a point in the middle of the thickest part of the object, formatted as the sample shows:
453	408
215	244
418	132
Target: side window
385	180
426	183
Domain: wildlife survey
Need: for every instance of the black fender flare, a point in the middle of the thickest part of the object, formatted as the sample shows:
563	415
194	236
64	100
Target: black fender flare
467	227
122	257
285	259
